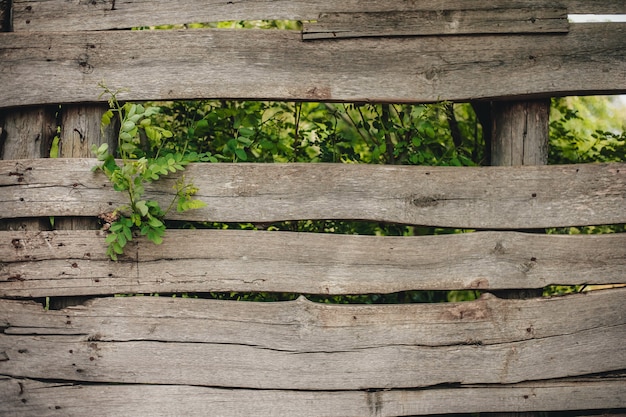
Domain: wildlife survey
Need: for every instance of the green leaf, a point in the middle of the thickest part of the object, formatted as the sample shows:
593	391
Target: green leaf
202	127
185	204
128	126
155	236
106	118
54	148
141	206
111	254
244	140
152	133
126	137
116	226
241	154
121	239
246	132
128	147
136	219
112	237
154	222
128	233
117	248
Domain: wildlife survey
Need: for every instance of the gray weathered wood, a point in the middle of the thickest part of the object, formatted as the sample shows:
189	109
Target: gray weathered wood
477	197
163	65
80	129
26	133
520	133
441	22
302	325
26	398
75	263
303	345
50	15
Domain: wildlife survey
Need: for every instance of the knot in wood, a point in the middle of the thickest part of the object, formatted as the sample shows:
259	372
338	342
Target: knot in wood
425	201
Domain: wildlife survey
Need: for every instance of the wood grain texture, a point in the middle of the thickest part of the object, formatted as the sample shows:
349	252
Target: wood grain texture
74	263
521	133
66	67
441	22
478	197
50	15
308	346
25	398
26	133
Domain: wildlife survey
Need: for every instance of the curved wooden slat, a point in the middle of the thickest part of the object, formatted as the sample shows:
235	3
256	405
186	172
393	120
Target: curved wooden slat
50	15
479	197
306	346
66	67
48	399
39	264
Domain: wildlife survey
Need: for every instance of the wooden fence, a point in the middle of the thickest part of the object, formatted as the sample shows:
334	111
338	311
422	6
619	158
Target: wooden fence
93	353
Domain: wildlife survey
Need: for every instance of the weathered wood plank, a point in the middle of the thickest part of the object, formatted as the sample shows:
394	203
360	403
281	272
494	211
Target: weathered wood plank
302	325
442	22
477	197
74	263
520	133
26	133
162	65
25	398
50	15
302	345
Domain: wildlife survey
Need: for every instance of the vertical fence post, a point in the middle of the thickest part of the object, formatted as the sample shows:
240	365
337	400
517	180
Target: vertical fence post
520	133
25	133
80	129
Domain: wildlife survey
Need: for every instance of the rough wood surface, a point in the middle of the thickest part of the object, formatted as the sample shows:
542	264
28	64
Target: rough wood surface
26	398
50	15
80	129
263	64
306	346
478	197
520	133
441	22
26	133
74	263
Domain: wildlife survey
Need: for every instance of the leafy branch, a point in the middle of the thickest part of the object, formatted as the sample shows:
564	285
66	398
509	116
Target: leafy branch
136	169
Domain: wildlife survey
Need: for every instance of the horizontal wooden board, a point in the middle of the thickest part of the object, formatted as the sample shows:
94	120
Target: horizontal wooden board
301	345
441	22
26	398
61	263
66	67
477	197
50	15
302	325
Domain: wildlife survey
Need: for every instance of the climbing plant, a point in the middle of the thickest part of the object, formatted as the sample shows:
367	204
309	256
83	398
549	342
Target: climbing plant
136	168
